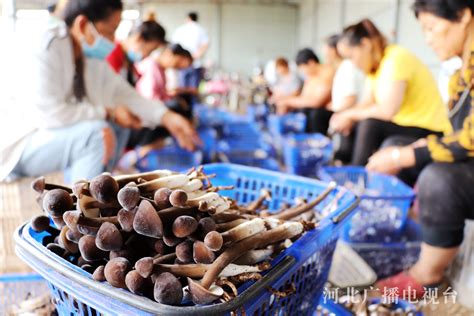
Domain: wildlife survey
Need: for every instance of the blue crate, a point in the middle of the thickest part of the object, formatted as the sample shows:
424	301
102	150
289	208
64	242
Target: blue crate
214	117
384	206
244	151
303	154
391	254
305	263
241	130
328	306
15	288
170	157
208	137
257	112
280	125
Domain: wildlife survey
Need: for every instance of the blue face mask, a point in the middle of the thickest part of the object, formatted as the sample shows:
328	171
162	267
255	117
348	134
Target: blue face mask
101	48
134	57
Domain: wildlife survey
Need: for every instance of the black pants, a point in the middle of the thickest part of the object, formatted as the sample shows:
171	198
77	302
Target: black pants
318	120
371	133
446	201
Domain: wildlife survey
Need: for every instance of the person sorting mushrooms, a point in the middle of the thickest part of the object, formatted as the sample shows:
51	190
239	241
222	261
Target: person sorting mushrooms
288	83
402	97
316	93
81	110
445	185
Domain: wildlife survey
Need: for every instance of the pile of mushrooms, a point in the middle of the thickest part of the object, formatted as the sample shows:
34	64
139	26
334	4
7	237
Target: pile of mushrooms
167	236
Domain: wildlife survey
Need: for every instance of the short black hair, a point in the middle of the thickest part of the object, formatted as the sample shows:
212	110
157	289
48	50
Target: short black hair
178	50
151	31
305	55
193	16
94	10
445	9
332	40
51	7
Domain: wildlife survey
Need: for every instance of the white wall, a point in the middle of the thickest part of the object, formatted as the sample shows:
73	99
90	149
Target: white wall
248	34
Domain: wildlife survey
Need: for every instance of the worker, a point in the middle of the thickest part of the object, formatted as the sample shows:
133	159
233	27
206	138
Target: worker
316	92
80	110
288	83
445	185
142	41
402	97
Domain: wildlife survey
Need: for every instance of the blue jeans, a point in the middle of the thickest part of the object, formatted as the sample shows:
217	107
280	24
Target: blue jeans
79	149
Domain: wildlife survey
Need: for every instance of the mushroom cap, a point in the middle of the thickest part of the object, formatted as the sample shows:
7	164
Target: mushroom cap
116	270
162	198
137	284
86	230
171	240
202	296
178	198
147	222
57	201
109	237
89	250
40	223
144	266
213	241
125	219
129	197
168	289
104	188
206	225
38	184
57	249
184	251
184	226
202	254
98	274
66	243
73	235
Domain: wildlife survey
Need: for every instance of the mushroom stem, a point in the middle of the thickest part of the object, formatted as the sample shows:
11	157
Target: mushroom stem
197	271
40	185
254	256
244	230
168	215
255	205
147	176
74	218
300	209
229	225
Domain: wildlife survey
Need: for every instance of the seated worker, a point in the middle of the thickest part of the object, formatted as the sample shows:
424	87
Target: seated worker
316	93
402	97
445	185
347	90
288	83
143	40
80	110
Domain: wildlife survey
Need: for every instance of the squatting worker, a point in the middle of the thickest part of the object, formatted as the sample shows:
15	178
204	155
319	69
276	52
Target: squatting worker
80	113
402	97
445	185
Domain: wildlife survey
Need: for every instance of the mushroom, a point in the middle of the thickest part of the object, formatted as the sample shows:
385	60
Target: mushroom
162	198
75	218
104	188
168	289
197	271
300	209
201	253
254	256
147	266
200	292
147	222
212	201
206	225
40	224
228	216
147	176
213	241
184	251
171	182
125	219
56	249
138	284
178	198
73	235
57	201
89	250
184	226
81	188
70	246
229	225
98	274
40	185
168	215
244	230
108	237
88	230
171	240
129	197
116	270
265	195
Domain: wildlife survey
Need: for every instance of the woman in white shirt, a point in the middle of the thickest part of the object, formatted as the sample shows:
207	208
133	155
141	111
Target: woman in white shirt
81	110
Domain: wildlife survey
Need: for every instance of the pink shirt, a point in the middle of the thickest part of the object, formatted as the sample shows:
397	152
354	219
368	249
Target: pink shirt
152	83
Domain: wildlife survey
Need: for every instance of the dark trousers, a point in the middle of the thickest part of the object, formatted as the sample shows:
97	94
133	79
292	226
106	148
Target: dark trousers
318	120
445	202
371	133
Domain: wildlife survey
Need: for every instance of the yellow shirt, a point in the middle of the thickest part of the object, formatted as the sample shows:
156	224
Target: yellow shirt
422	105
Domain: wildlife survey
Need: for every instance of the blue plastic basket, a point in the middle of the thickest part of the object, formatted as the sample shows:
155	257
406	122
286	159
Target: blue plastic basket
257	112
280	125
213	117
15	288
244	152
241	130
208	137
170	157
305	263
329	307
392	253
304	154
384	206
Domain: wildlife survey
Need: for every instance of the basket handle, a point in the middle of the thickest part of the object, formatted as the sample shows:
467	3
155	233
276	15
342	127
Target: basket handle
339	217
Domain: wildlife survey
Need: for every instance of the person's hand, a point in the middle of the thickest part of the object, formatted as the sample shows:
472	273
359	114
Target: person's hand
182	130
282	107
125	118
108	136
341	123
391	160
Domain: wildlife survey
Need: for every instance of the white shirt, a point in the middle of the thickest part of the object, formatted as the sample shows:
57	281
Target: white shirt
191	36
348	81
50	102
